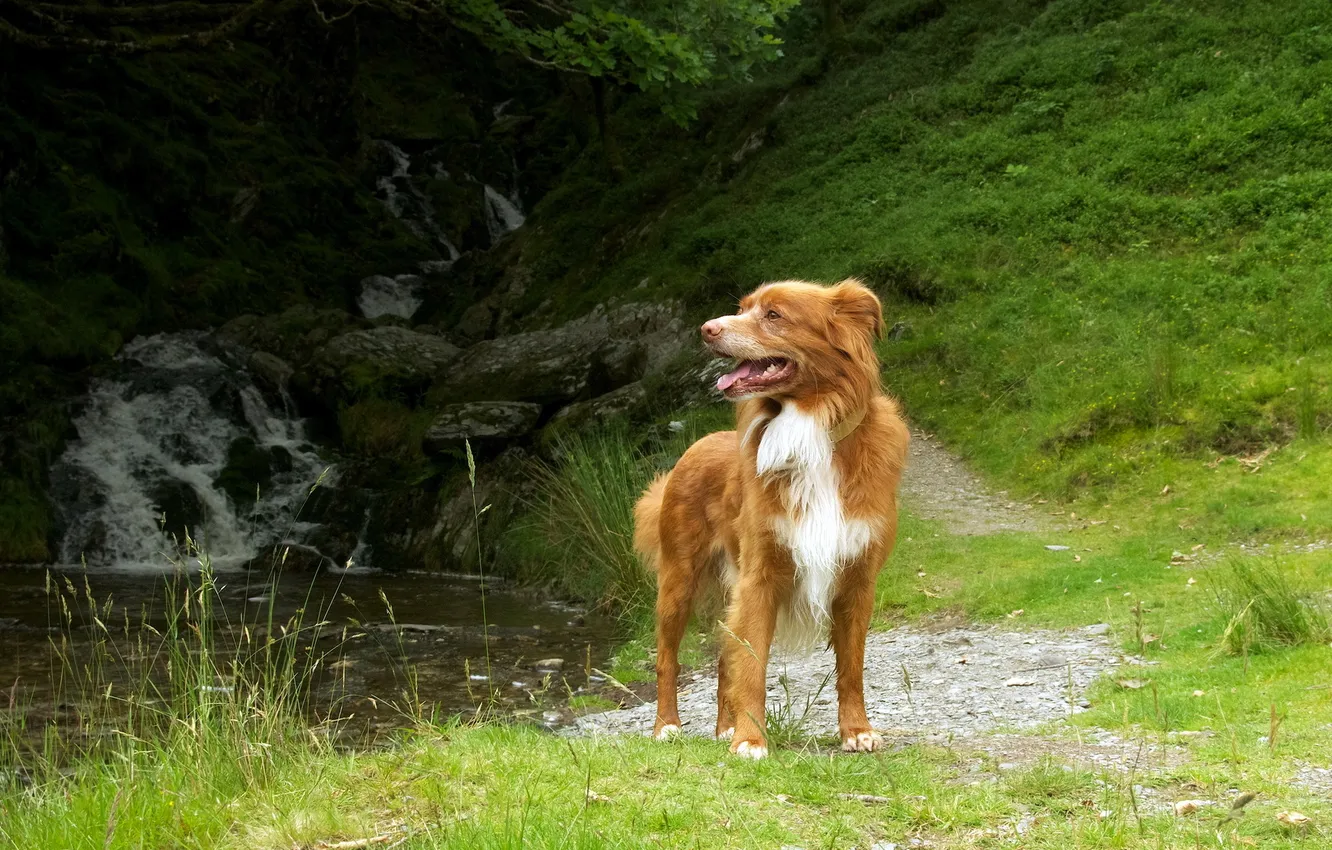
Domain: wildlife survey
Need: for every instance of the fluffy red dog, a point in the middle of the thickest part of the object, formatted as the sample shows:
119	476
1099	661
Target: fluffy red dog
791	515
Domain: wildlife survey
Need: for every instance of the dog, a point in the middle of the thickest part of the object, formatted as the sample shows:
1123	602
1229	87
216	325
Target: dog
790	516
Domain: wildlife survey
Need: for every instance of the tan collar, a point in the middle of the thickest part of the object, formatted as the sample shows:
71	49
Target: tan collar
843	429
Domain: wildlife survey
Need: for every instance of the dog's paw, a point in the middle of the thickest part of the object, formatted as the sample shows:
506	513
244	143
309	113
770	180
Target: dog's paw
726	734
863	742
666	732
749	750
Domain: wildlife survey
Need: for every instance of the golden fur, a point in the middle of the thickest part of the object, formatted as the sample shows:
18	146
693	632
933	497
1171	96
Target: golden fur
791	515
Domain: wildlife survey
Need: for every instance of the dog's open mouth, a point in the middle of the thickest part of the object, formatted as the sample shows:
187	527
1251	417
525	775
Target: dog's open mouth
752	376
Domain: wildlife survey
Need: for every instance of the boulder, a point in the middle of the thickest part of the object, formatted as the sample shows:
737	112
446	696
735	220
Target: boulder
627	400
270	370
589	356
481	420
291	335
385	357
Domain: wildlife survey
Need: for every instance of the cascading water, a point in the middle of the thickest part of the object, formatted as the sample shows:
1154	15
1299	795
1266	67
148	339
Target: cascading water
156	444
406	202
502	214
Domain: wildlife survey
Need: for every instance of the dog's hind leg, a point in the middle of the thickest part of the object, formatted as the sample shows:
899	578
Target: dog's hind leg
725	717
676	584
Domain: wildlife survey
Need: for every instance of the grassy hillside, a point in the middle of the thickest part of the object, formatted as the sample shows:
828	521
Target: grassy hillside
1102	223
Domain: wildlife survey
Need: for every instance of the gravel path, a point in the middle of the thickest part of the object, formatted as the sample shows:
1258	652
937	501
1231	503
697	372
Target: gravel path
962	682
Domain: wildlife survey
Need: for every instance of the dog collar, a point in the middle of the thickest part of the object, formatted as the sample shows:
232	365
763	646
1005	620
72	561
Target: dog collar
843	429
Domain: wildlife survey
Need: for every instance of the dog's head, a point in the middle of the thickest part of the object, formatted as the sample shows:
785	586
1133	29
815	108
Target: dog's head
794	338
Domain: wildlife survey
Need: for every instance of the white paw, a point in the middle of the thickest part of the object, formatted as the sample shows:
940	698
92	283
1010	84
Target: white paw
751	751
726	734
864	742
670	730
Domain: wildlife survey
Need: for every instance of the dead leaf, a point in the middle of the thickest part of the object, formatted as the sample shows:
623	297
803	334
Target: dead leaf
1077	558
931	594
1200	693
1199	546
1188	807
594	797
1294	819
1018	612
1192	581
1165	491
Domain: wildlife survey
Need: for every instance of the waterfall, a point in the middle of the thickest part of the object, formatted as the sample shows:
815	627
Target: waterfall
151	459
406	202
502	214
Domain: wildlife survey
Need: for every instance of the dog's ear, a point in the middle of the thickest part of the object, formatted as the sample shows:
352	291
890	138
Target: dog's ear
853	300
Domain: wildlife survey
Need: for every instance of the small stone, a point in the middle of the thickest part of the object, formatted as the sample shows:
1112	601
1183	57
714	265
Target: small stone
1098	629
551	664
1056	548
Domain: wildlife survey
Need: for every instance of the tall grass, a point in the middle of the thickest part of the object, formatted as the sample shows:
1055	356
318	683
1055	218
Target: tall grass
179	690
1265	609
582	514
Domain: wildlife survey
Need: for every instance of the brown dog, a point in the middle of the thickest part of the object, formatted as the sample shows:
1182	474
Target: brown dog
792	514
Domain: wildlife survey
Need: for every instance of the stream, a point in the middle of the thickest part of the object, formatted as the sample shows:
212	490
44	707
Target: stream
160	477
434	631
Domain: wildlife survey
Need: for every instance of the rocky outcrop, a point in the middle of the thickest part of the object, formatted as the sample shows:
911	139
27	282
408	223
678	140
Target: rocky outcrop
508	396
625	400
479	421
380	360
581	359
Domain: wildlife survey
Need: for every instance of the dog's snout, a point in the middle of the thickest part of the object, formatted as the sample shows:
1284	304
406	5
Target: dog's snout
712	329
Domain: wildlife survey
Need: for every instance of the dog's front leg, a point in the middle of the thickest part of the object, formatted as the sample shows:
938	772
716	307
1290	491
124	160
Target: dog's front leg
853	605
765	582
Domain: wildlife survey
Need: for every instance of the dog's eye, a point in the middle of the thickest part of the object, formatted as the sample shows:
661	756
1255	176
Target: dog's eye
773	315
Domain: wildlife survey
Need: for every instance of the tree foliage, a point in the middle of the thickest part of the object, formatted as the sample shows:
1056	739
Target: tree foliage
651	45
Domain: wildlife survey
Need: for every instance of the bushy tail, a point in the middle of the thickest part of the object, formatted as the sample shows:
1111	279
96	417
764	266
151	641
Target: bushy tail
647	522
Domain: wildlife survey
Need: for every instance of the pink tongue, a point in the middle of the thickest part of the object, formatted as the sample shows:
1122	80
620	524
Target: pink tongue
742	371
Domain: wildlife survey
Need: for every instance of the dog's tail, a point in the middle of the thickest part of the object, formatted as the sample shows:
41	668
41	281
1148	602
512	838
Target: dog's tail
647	522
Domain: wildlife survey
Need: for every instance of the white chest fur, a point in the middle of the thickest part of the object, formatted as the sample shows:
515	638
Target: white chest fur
821	538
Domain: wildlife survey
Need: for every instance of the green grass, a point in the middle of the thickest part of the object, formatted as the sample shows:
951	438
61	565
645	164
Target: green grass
1101	221
1265	610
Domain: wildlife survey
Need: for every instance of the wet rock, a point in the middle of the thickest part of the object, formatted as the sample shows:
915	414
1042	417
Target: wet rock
481	420
248	473
289	557
270	370
553	665
181	507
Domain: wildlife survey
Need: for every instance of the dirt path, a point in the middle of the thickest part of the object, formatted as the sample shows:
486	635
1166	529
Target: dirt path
937	486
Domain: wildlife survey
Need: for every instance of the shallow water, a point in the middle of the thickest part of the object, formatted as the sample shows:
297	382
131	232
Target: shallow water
435	629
